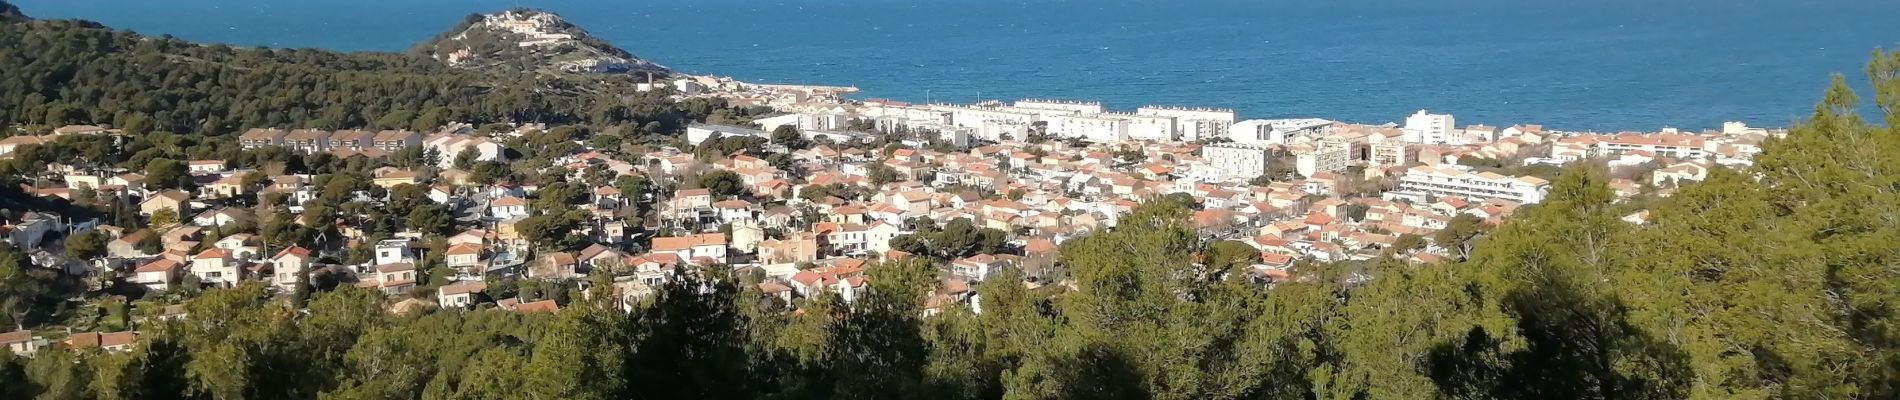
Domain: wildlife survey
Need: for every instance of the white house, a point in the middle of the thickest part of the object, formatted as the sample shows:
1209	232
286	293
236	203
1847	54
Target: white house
508	207
289	266
710	245
394	251
977	267
459	294
215	266
159	274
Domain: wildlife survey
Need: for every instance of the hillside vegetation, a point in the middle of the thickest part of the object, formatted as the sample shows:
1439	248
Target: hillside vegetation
78	72
1774	282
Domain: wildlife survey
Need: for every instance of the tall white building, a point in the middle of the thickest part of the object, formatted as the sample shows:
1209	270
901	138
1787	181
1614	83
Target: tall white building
1388	154
1236	161
1275	131
1090	128
1191	124
1081	107
1429	128
1321	156
1448	181
1147	127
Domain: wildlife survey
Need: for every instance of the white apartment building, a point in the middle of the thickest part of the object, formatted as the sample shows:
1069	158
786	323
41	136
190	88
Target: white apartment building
1388	154
1093	129
1147	127
698	133
1662	144
1321	156
1236	161
1429	128
1275	131
1079	107
1425	180
1191	124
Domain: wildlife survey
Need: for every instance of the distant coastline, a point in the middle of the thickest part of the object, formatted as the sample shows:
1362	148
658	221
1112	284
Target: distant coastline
1576	68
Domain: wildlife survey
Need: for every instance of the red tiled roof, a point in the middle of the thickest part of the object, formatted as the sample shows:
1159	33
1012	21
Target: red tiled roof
463	287
510	201
463	249
686	242
161	265
539	306
300	252
213	253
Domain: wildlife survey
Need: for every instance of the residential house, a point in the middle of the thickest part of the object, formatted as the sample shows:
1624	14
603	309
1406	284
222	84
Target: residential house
227	187
307	141
508	207
555	266
290	266
219	217
441	194
9	144
710	245
160	274
394	251
653	269
395	278
978	267
260	137
350	140
464	256
215	266
801	247
22	343
243	246
846	277
203	167
127	246
601	257
176	200
115	342
460	294
392	141
397	177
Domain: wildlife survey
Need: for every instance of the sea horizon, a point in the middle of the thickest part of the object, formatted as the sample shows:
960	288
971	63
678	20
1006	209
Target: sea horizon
1690	64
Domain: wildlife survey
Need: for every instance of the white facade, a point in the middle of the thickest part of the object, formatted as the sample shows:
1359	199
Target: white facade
1093	129
1236	161
1191	124
772	123
1275	131
1443	182
1429	128
1322	156
1147	127
394	251
1662	144
1081	107
1388	154
977	117
449	146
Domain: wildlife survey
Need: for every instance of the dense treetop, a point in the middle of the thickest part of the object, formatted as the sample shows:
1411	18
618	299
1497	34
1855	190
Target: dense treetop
78	72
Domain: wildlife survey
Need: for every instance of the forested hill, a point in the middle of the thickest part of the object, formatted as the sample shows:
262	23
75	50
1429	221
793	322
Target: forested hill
533	42
8	12
55	72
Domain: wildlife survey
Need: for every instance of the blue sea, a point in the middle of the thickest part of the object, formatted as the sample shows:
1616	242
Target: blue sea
1571	64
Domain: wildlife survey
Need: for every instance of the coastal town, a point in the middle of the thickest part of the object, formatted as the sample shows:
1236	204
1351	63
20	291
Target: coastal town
802	200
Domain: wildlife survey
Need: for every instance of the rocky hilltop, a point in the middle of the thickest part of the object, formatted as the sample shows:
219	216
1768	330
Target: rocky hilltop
532	41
